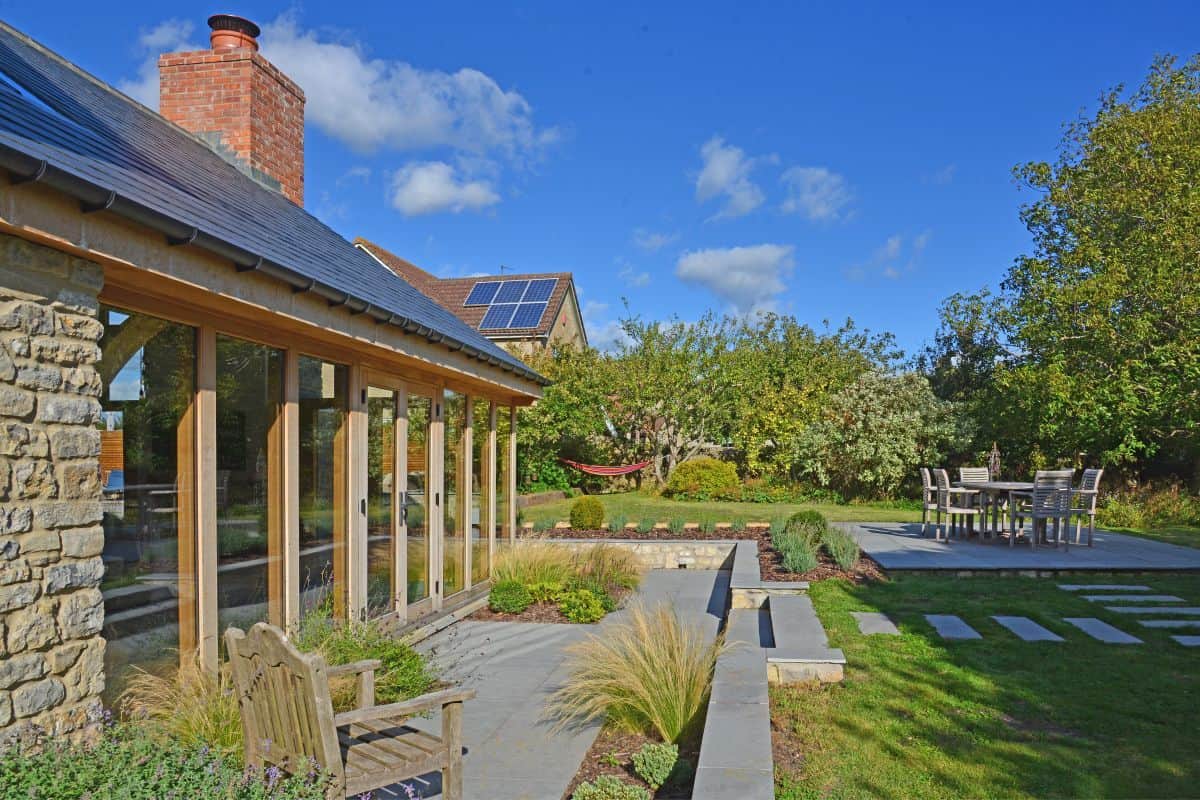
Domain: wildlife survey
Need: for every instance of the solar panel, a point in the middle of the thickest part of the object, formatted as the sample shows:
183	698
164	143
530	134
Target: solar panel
482	293
511	292
498	316
540	290
528	315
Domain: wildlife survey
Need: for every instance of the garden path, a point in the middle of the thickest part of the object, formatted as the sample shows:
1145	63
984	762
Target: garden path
513	753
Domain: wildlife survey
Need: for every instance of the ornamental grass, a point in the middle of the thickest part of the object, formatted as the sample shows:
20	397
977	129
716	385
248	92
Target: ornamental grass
649	673
532	563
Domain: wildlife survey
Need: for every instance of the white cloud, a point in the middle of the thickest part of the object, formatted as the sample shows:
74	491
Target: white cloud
357	174
652	241
604	333
726	171
817	193
748	278
430	187
169	36
632	277
373	103
893	259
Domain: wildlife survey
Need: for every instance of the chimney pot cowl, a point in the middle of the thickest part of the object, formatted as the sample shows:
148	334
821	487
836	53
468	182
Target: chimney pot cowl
231	32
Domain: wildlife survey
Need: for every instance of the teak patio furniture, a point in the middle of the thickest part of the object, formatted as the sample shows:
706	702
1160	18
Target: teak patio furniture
928	498
955	503
977	475
1085	503
1050	499
288	719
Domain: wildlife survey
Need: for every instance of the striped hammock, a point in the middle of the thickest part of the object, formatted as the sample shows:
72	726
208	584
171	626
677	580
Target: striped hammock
608	472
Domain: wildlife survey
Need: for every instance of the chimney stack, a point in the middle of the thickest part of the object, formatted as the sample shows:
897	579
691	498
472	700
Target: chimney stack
240	103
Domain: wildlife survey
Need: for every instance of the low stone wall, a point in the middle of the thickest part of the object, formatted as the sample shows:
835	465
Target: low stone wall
538	498
682	554
51	610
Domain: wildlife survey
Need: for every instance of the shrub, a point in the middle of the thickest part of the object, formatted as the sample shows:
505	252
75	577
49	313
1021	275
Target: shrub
654	763
581	606
841	547
737	524
609	566
132	763
587	514
808	522
1148	507
646	525
607	787
702	479
509	597
191	706
533	562
595	587
675	524
403	672
708	525
798	554
617	522
649	673
545	591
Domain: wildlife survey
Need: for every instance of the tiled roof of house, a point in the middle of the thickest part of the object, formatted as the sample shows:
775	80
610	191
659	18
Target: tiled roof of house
451	293
60	126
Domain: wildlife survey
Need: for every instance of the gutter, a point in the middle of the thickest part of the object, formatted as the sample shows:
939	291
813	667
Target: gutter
92	197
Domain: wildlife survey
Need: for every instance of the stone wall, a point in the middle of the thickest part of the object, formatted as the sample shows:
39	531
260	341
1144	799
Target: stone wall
666	554
51	610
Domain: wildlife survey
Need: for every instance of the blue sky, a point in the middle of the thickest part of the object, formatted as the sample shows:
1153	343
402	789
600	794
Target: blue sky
823	162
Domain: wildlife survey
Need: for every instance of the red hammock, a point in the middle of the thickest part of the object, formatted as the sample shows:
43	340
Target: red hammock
608	472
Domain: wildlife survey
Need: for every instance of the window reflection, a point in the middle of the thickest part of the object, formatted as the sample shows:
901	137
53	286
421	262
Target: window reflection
416	498
323	486
481	486
457	472
381	473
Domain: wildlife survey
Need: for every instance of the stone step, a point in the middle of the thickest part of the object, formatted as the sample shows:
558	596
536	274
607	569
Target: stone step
949	626
872	623
1102	587
1028	630
135	595
1102	631
1169	623
801	650
1133	598
141	613
1183	612
1188	641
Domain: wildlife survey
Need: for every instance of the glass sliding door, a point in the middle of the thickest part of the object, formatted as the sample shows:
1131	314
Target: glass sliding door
324	486
503	474
417	500
481	490
456	491
381	489
148	494
249	449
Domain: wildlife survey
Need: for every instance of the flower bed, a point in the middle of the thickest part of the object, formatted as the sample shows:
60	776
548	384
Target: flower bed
613	754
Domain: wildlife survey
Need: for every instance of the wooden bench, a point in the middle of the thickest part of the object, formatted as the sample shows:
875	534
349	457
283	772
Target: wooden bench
288	719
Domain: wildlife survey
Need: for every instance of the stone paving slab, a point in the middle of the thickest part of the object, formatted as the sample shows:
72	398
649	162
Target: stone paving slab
949	626
1188	641
1132	598
873	623
1169	623
900	546
1101	630
1101	587
1184	612
1028	630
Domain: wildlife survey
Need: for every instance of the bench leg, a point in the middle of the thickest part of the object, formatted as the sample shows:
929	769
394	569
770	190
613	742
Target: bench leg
452	775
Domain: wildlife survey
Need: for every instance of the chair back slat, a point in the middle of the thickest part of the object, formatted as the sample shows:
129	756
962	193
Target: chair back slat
974	474
283	694
1090	480
1052	492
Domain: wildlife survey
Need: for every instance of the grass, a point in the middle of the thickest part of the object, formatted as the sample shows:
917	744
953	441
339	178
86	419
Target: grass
1182	535
921	717
189	705
644	506
649	673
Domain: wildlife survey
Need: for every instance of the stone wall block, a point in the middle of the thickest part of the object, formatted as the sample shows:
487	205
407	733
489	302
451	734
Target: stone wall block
80	480
82	380
86	677
34	480
39	377
5	479
33	698
67	514
33	627
16	403
8	370
18	595
15	571
63	657
5	708
82	542
82	613
29	256
27	317
23	441
68	410
80	326
21	668
15	519
74	442
73	575
76	301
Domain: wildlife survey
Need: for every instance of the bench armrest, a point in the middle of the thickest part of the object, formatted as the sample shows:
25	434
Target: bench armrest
353	668
405	708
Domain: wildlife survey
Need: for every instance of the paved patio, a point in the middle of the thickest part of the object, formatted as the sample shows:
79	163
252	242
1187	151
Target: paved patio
512	753
901	546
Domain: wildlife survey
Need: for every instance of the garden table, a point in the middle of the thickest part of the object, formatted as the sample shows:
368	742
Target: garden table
995	490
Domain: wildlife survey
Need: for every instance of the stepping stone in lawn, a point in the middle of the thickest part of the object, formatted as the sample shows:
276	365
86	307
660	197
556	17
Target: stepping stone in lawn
1028	630
1133	598
1169	623
1101	587
1188	641
1099	629
949	626
872	622
1186	612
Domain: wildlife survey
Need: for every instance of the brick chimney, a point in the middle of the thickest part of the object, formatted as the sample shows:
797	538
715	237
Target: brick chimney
240	103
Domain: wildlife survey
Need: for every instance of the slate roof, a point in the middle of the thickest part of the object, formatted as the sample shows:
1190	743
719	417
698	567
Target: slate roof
61	126
451	293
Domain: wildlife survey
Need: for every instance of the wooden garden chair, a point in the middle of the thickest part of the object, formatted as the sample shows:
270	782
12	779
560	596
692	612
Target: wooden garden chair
1050	499
928	498
1084	503
978	475
956	503
288	719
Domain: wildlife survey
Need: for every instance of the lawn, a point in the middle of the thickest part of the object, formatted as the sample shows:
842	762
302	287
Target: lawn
1182	535
635	506
921	717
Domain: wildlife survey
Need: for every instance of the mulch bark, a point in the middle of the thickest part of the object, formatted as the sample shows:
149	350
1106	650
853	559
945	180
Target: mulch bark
615	745
540	612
